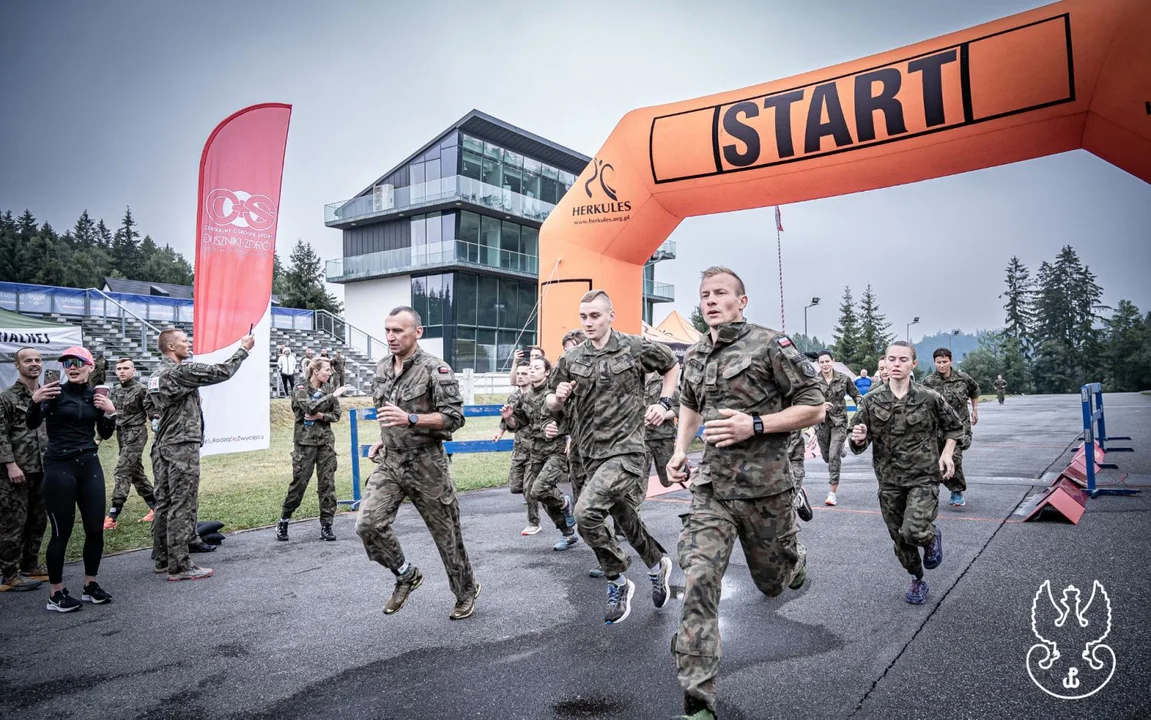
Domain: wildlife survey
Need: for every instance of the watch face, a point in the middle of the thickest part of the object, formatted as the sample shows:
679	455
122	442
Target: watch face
413	419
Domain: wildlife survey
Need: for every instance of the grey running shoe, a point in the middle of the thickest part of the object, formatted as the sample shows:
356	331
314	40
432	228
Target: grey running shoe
191	573
660	587
465	608
405	584
618	601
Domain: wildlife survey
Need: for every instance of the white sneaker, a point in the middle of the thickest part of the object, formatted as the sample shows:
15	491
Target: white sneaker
530	530
830	499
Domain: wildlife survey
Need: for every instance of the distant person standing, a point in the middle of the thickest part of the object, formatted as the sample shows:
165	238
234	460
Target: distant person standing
339	367
100	373
419	406
316	405
904	422
1000	388
660	439
521	450
958	388
287	366
863	383
22	515
132	436
832	432
174	393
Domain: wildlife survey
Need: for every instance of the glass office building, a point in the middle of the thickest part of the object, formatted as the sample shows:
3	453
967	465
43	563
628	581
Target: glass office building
453	231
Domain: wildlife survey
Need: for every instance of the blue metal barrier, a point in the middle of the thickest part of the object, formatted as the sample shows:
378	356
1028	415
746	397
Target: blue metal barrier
1091	397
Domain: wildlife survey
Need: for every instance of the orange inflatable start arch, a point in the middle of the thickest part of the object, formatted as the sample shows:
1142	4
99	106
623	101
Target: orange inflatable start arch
1075	74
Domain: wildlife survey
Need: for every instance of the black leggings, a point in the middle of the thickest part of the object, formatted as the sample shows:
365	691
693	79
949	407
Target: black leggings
68	484
287	380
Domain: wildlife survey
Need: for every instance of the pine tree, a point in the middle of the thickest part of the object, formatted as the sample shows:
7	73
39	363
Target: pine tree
9	261
1126	339
1020	303
277	275
126	248
103	236
873	336
304	282
697	320
84	232
847	332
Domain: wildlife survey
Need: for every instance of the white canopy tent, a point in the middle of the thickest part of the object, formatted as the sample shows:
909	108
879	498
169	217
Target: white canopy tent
19	331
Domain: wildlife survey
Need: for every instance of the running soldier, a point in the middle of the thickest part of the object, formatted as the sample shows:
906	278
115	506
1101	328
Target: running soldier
957	388
904	421
1000	388
521	451
602	380
547	463
131	435
316	405
23	518
419	406
575	466
174	395
660	439
832	432
749	387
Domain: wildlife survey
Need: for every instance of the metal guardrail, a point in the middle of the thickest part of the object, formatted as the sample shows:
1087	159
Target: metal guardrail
144	324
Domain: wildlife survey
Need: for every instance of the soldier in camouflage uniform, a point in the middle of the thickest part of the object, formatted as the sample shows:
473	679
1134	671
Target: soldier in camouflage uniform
903	421
339	368
957	388
1000	388
832	432
660	439
316	405
131	435
22	515
521	452
547	463
602	382
419	406
749	387
575	466
100	373
174	395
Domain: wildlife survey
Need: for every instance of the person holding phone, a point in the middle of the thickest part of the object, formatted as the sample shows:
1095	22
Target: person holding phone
74	413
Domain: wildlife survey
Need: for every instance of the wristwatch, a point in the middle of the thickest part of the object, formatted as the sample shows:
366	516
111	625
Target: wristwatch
666	402
413	419
756	424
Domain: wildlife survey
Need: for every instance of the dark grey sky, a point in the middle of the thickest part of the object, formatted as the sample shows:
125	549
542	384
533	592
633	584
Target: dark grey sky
109	104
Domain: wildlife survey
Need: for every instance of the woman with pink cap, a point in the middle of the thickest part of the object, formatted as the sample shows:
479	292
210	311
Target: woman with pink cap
74	413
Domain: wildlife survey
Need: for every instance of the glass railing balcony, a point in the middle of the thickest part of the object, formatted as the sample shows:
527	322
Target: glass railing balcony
384	201
666	251
430	256
659	292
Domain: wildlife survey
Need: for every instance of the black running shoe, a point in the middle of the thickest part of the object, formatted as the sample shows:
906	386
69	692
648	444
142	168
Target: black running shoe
660	582
61	601
933	553
802	506
326	531
95	594
282	530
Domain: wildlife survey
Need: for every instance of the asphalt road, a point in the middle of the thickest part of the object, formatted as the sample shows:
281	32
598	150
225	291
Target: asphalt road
294	630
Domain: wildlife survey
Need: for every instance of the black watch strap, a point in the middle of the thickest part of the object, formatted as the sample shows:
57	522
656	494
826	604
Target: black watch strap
756	424
666	402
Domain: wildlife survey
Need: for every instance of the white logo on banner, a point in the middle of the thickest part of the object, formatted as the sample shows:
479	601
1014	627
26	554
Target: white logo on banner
1070	661
240	209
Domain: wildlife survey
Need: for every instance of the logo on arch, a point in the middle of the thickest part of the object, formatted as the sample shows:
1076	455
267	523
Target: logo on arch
600	186
600	170
238	208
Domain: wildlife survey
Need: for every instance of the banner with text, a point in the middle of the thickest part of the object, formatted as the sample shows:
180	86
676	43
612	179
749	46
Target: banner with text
239	201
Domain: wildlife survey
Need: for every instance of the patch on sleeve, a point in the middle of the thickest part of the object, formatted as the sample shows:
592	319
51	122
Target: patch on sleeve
445	370
784	341
154	383
808	369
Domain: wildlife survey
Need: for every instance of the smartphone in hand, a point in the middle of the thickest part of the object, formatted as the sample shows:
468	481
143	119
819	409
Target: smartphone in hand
51	376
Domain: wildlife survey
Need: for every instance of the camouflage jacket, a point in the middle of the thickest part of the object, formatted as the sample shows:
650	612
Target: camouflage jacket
754	370
338	363
835	392
174	396
531	413
1000	385
18	444
99	371
653	386
307	400
425	385
957	388
129	401
905	433
606	407
522	431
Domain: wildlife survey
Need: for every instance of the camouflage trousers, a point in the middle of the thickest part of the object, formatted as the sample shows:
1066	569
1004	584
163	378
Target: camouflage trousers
177	471
1001	395
796	450
22	523
545	473
910	513
519	480
617	487
958	481
832	444
660	451
766	528
337	378
576	472
305	459
420	475
129	470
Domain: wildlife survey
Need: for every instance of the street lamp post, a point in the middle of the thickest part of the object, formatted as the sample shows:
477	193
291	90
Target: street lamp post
953	334
915	321
814	302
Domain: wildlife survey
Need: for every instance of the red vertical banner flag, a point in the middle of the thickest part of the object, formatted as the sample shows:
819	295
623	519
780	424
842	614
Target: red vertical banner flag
778	220
241	170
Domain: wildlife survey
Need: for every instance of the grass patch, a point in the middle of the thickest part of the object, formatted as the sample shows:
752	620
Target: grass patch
246	490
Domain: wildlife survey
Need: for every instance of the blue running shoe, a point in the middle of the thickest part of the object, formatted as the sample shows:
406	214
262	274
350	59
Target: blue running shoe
957	499
569	539
569	511
917	593
933	553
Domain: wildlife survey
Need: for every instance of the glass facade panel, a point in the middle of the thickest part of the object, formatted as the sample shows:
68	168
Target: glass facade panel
492	172
419	231
420	296
471	143
471	164
469	227
449	162
487	301
433	229
435	290
529	241
509	238
527	304
465	299
489	315
509	303
512	179
489	241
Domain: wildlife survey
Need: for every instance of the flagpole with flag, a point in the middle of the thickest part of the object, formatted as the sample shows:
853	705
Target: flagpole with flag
779	254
